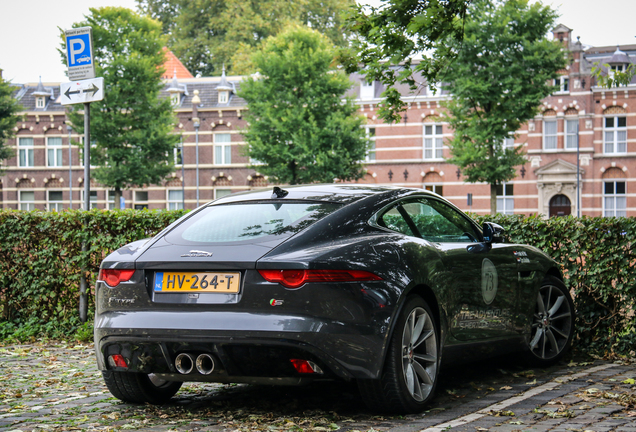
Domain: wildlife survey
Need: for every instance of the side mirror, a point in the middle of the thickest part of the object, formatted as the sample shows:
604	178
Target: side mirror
493	233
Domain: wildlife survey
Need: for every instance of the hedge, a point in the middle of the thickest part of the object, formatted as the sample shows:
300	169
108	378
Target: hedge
41	260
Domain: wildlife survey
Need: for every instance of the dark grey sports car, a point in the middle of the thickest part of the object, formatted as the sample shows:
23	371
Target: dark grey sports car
373	284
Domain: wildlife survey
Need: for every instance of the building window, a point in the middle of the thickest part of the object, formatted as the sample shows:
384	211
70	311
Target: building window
220	193
615	135
175	99
222	149
81	152
55	201
562	83
509	143
367	90
175	199
141	200
93	199
370	157
549	135
223	97
27	200
571	134
177	153
505	200
54	152
25	152
433	142
39	102
614	199
435	188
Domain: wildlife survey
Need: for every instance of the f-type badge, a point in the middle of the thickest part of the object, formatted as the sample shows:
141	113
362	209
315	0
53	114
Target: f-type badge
489	281
197	254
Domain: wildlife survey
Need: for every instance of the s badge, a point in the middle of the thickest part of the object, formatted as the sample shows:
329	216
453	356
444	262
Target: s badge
275	302
489	281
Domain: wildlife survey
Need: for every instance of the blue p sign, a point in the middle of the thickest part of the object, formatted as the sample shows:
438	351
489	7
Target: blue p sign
78	49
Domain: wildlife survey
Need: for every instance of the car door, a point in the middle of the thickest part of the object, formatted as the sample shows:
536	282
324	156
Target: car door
480	283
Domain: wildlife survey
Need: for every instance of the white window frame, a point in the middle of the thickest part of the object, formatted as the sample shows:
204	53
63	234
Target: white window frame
222	149
54	205
436	145
509	143
177	153
81	152
614	203
25	152
370	157
39	102
563	82
614	132
23	204
93	199
437	188
175	99
506	201
137	201
54	153
550	136
571	134
173	203
224	96
367	90
220	193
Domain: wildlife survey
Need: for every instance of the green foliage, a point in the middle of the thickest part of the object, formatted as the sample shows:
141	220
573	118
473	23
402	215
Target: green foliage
300	124
8	118
597	257
615	79
497	83
41	260
399	31
132	128
207	34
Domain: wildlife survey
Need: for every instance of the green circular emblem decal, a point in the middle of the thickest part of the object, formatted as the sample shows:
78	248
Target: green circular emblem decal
489	281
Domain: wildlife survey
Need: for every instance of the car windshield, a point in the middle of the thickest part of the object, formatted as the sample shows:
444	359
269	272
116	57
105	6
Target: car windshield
249	222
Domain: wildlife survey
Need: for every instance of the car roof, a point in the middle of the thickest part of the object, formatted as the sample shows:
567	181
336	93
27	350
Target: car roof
340	193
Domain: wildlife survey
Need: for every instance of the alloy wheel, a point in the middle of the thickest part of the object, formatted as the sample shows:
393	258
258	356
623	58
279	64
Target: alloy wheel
552	323
419	354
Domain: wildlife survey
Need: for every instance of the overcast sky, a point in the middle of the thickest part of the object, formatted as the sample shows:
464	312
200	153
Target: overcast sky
29	35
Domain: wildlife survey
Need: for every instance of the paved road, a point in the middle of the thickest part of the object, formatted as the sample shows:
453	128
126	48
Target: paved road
57	387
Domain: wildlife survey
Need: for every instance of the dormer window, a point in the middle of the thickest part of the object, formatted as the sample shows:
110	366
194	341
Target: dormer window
175	99
367	90
39	102
223	96
563	84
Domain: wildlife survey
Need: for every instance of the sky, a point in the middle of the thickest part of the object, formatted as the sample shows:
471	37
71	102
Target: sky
29	35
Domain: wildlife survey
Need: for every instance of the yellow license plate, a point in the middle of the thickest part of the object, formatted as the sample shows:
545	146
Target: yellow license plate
212	282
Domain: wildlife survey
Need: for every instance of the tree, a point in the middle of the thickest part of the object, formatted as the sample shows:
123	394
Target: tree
388	38
497	82
300	124
8	118
207	34
132	127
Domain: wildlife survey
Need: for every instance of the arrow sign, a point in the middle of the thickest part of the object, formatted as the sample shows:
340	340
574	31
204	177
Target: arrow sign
75	92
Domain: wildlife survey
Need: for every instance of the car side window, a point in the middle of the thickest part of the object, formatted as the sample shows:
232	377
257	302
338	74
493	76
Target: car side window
394	220
440	223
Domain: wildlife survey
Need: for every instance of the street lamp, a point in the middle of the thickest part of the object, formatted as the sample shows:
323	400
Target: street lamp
196	100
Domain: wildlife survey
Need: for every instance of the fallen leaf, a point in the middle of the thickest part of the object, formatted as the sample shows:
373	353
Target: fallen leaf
505	388
629	381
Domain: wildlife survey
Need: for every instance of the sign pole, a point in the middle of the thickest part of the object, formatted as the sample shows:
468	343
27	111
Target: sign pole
83	303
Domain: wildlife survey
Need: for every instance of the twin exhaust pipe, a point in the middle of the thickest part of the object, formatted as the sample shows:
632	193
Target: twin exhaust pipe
185	363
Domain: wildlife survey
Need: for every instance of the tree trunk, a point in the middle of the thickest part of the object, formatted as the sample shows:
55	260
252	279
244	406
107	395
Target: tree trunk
493	199
117	197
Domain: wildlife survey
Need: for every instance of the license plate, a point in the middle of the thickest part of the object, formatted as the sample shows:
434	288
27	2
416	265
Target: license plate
209	282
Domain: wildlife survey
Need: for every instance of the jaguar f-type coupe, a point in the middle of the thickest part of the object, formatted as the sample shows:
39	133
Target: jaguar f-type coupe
323	282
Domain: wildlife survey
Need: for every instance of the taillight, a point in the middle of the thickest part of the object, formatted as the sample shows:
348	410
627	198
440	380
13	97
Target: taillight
112	277
297	278
305	366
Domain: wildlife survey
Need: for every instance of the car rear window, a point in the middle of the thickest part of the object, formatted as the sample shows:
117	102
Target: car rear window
249	222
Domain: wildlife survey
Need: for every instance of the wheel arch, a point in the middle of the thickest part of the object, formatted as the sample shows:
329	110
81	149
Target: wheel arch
555	272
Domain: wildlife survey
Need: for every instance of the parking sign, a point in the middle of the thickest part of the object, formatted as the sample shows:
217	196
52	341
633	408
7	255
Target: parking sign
79	54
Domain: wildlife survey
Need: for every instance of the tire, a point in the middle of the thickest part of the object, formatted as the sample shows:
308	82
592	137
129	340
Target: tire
552	323
140	388
410	371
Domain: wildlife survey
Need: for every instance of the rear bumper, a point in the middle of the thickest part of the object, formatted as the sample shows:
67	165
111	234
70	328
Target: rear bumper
246	346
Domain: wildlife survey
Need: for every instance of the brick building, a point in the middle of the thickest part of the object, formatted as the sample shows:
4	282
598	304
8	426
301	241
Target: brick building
580	119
